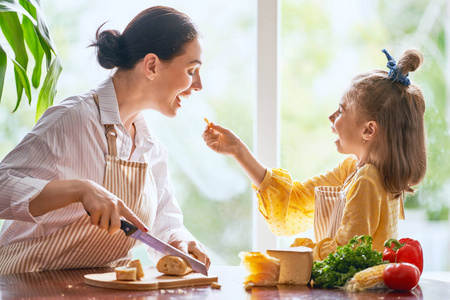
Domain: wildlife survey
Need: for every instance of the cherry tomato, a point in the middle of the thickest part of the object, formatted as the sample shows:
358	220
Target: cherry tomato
401	276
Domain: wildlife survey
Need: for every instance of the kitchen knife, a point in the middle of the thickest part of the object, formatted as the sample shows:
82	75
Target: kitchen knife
160	246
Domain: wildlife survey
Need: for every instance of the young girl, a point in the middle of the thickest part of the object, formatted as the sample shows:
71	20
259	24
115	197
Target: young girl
380	124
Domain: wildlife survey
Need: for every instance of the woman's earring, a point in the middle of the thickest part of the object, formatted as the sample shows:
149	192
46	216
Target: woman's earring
364	141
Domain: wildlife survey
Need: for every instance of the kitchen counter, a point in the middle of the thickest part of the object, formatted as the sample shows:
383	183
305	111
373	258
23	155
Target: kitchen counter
69	284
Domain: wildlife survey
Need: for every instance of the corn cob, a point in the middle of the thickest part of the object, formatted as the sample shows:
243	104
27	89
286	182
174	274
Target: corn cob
370	278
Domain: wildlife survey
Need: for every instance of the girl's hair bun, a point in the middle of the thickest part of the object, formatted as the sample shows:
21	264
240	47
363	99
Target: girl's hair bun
410	60
109	55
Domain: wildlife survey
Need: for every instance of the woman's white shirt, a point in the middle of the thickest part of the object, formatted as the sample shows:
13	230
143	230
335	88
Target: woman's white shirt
69	142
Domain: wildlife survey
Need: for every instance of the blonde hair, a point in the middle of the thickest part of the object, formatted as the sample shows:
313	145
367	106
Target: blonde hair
398	151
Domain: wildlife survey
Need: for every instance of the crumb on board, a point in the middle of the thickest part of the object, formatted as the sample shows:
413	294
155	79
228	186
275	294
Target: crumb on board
215	285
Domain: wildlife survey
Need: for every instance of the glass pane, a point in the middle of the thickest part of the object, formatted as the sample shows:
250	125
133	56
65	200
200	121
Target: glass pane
325	44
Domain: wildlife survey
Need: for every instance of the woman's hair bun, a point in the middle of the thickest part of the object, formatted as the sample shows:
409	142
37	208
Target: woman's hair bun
410	60
160	30
109	55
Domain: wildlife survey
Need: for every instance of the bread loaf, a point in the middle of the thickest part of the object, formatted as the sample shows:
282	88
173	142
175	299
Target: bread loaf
173	265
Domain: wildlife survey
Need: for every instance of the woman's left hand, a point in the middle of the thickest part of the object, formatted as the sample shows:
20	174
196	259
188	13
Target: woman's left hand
190	246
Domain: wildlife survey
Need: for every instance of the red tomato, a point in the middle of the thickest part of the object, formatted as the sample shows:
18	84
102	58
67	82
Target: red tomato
401	276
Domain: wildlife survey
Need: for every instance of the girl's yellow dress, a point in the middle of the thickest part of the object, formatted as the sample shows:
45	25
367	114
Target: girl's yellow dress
367	208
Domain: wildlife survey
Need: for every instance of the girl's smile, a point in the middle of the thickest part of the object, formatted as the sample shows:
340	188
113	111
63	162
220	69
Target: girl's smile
349	131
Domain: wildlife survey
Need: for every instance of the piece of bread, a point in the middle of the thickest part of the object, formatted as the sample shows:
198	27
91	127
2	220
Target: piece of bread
173	265
264	270
139	270
125	273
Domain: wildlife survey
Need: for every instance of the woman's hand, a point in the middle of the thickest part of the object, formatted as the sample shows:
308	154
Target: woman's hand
105	208
222	140
189	245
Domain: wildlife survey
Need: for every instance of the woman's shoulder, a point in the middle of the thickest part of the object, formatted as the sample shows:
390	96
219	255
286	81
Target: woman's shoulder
74	111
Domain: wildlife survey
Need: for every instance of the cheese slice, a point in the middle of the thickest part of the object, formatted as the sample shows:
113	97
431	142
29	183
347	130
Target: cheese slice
125	273
295	264
264	270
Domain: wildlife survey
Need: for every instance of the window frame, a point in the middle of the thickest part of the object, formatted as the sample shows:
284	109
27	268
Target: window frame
266	139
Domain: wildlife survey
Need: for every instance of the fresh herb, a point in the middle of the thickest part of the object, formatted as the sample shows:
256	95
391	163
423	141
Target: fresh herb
340	266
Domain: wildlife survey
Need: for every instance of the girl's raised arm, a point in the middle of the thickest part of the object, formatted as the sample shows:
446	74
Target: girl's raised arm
224	141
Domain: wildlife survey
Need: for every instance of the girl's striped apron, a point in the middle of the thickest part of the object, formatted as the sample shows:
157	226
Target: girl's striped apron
81	244
329	207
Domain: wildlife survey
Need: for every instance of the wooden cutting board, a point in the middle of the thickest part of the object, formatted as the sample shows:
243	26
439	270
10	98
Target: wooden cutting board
152	280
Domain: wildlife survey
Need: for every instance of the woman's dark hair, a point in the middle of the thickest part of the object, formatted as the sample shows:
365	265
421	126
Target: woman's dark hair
160	30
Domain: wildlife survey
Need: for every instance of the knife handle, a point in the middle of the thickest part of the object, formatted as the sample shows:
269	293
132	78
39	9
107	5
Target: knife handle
127	227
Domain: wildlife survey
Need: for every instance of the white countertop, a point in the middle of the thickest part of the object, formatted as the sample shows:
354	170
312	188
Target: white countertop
442	276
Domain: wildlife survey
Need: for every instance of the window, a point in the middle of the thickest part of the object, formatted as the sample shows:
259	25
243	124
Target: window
323	44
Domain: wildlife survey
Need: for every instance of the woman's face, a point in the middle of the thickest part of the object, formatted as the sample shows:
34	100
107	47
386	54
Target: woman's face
349	133
177	79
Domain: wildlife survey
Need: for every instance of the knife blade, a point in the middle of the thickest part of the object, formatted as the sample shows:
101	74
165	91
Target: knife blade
160	246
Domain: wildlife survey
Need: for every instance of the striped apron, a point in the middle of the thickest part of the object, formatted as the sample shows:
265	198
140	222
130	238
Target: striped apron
81	244
329	207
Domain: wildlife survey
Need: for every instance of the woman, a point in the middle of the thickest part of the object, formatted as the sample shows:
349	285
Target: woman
94	153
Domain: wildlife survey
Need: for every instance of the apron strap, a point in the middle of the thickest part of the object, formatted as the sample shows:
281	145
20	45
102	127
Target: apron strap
349	177
111	133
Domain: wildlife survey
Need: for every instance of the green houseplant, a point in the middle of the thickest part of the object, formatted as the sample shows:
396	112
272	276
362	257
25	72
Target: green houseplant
23	25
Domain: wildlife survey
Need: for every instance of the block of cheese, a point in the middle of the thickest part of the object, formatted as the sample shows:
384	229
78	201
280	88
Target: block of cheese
295	265
173	265
264	270
125	273
139	270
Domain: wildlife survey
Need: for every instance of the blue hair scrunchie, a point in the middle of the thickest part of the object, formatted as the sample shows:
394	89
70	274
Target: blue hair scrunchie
394	72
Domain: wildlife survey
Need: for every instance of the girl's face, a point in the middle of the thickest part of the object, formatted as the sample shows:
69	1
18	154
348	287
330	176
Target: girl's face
349	133
178	78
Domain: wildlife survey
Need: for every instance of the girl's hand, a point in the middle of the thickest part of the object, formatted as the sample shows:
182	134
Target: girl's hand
222	140
105	208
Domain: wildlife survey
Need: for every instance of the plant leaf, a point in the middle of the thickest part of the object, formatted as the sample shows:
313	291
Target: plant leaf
22	76
48	89
36	50
3	61
13	6
12	29
35	14
43	32
33	43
